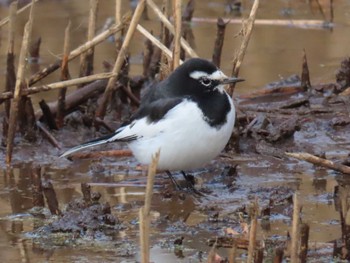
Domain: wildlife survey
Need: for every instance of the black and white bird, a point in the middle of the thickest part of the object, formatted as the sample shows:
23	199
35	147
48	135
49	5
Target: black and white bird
189	117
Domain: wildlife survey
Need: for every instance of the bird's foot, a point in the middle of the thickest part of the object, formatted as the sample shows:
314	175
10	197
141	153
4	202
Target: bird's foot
189	183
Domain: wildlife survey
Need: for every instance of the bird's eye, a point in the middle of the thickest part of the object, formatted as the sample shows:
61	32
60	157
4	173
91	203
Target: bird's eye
205	81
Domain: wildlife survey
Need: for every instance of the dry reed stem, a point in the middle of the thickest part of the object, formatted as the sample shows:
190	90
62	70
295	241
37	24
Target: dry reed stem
92	19
232	253
320	161
295	231
23	250
61	101
11	30
252	233
59	85
76	52
18	87
101	111
145	210
300	23
247	28
156	42
177	37
87	58
184	44
7	19
10	67
212	254
118	11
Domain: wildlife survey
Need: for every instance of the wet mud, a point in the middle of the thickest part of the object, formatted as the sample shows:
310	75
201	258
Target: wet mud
94	204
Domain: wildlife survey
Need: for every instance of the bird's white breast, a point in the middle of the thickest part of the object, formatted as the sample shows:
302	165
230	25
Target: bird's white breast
185	139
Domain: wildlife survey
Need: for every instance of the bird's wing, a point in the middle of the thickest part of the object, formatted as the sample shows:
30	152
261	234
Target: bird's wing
140	125
143	122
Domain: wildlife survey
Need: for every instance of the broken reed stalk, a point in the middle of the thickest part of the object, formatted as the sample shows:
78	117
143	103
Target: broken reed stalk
247	29
59	85
79	96
305	73
87	58
76	52
252	232
278	257
295	230
23	249
61	101
320	161
7	19
232	253
331	11
156	42
10	81
219	42
48	117
304	241
177	37
102	107
145	210
212	254
51	197
184	44
18	88
37	188
48	135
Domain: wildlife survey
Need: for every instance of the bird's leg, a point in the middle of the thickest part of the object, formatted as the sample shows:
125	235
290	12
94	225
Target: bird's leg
190	183
177	186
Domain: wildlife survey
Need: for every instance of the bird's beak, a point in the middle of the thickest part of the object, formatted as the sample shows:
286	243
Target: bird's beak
231	80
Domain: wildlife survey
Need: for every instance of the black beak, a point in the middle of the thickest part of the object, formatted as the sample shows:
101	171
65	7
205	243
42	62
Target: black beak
231	80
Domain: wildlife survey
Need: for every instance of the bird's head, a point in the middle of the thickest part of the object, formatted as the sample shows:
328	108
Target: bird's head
200	76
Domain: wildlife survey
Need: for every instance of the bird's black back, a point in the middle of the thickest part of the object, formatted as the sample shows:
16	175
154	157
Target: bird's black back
165	95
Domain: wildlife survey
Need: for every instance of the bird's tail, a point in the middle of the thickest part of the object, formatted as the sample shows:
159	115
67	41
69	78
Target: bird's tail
99	141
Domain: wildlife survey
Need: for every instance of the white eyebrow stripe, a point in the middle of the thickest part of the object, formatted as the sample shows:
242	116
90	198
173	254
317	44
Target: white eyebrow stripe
218	74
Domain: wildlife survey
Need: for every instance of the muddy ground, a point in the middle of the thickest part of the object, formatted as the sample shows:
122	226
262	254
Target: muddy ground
101	221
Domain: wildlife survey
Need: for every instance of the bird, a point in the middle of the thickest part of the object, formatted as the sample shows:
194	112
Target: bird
188	117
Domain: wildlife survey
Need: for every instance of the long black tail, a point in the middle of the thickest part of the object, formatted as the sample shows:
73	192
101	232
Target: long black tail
99	141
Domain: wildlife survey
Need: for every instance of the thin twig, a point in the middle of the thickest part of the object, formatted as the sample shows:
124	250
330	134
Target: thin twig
101	110
76	52
6	19
48	135
155	41
59	85
184	44
320	161
303	24
247	31
177	36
